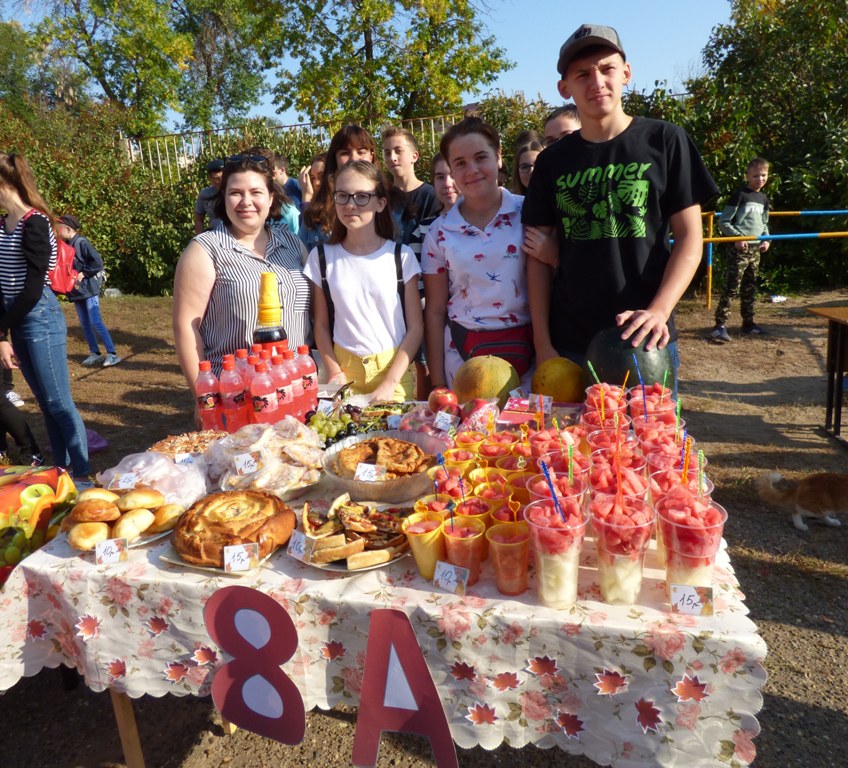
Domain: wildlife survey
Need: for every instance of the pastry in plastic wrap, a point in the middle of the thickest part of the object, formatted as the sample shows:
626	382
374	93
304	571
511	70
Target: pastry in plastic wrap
181	484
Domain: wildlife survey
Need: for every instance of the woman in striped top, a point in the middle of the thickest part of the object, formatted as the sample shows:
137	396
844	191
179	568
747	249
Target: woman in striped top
216	286
33	335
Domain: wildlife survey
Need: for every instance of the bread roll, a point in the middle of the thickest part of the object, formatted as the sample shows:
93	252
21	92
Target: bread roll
86	536
132	524
140	498
331	554
98	493
166	517
94	511
369	558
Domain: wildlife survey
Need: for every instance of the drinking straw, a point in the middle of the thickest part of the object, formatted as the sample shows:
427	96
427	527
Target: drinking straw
462	488
522	462
641	384
513	507
547	475
451	507
603	418
624	384
662	394
571	465
687	451
540	415
683	449
592	371
440	460
702	486
677	418
559	436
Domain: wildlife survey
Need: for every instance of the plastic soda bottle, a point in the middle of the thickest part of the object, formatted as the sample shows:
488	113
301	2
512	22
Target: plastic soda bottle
309	376
241	362
234	406
263	393
208	396
296	378
250	370
282	378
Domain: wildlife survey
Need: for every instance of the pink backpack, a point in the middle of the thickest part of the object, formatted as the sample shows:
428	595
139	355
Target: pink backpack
63	277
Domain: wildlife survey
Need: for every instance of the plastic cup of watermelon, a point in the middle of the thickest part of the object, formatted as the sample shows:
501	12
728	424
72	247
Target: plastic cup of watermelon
691	529
424	532
435	502
470	440
464	544
622	527
556	541
669	458
610	478
509	548
612	395
557	461
538	486
627	455
662	481
659	432
612	421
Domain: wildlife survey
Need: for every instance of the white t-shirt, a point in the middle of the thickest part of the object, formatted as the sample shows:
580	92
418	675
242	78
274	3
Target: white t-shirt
368	315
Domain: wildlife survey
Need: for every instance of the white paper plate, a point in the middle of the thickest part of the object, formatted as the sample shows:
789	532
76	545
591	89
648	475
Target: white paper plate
341	567
142	540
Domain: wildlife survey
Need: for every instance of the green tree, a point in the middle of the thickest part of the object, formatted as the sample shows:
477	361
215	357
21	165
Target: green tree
224	77
130	48
17	60
372	59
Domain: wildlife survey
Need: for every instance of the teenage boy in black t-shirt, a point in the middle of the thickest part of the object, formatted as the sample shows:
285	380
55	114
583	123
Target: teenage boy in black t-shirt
611	191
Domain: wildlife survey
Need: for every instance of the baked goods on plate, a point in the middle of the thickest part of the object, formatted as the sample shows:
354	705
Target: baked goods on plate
189	442
232	517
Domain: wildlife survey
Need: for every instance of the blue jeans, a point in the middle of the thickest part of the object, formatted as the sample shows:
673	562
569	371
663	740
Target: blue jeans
91	322
40	343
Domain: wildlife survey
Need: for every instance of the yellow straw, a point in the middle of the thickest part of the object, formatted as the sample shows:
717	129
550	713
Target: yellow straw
686	453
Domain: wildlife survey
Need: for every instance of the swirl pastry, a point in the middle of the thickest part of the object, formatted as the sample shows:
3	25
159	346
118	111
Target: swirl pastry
232	517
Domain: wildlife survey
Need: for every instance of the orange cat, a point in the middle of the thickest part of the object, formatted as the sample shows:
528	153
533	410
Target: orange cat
815	496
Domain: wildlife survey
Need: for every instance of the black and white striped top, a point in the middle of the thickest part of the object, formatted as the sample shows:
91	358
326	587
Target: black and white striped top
13	260
230	318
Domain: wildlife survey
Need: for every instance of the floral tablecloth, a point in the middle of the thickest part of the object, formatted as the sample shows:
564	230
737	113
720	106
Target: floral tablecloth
626	686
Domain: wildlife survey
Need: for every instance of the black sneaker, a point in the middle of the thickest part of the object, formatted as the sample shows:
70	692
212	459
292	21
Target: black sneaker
753	329
719	335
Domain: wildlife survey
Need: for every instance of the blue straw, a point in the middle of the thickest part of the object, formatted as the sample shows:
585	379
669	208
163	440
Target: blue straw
641	384
683	448
462	488
553	490
440	460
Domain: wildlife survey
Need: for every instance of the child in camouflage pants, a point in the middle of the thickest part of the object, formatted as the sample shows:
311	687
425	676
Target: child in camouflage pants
746	213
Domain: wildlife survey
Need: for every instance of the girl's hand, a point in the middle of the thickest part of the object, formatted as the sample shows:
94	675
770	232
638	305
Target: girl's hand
385	392
7	355
338	378
541	246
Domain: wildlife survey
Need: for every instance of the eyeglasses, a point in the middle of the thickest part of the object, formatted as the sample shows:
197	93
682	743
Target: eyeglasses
236	159
360	199
526	167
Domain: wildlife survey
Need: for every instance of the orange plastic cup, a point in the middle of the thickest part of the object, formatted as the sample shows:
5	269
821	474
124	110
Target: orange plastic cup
509	547
464	544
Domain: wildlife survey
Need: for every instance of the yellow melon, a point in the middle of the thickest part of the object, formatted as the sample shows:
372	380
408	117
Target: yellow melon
560	378
485	377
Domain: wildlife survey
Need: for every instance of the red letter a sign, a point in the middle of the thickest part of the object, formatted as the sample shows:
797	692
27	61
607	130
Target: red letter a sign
398	693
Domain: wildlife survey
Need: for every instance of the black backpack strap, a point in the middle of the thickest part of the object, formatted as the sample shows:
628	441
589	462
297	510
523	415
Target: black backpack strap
400	286
322	265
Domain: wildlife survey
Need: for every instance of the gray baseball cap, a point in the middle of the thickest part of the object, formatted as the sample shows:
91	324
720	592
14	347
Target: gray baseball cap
585	36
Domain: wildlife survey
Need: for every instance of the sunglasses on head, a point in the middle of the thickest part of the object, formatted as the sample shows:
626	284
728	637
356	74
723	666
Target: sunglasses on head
237	159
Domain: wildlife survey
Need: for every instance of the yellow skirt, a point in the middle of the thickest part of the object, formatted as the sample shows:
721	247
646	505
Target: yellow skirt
367	372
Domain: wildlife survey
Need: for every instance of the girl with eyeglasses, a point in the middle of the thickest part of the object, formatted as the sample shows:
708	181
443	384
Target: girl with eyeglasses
368	324
216	286
525	160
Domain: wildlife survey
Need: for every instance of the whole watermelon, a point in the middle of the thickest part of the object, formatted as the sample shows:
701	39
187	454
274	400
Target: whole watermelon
612	357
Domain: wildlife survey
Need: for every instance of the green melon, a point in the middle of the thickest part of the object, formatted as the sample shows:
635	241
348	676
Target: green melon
612	357
485	377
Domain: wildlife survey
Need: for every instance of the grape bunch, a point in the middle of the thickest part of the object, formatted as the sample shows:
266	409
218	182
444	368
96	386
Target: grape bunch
342	423
14	545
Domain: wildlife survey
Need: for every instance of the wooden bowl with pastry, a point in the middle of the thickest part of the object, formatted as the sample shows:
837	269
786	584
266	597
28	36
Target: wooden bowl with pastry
405	457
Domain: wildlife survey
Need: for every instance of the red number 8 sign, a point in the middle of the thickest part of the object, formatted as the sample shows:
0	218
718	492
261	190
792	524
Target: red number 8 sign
251	691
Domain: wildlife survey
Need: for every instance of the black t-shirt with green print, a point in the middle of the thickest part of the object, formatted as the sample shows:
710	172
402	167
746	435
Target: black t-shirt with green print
610	203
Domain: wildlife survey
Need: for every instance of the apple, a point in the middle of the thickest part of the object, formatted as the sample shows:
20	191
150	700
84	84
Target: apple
444	399
473	406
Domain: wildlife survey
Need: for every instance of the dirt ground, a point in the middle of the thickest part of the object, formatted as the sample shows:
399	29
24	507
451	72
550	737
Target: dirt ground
754	405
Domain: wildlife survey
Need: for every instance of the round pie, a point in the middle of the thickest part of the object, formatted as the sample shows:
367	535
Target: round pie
232	517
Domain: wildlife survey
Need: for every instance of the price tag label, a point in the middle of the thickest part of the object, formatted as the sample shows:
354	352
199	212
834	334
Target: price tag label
111	551
325	407
184	458
301	546
545	402
127	480
443	421
450	578
696	601
248	463
370	473
241	557
393	421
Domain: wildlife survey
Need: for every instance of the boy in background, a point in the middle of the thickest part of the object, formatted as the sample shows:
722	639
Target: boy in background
400	153
746	213
86	296
612	192
561	122
288	183
205	205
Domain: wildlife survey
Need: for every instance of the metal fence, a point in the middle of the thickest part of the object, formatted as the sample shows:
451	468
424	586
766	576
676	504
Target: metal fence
169	156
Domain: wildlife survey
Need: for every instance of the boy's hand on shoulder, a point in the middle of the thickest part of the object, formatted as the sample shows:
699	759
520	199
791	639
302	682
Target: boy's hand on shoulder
764	246
641	324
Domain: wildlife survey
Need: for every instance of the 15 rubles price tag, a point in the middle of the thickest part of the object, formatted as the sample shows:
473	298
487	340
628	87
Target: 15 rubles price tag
696	601
126	480
450	578
370	473
241	557
300	547
248	463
